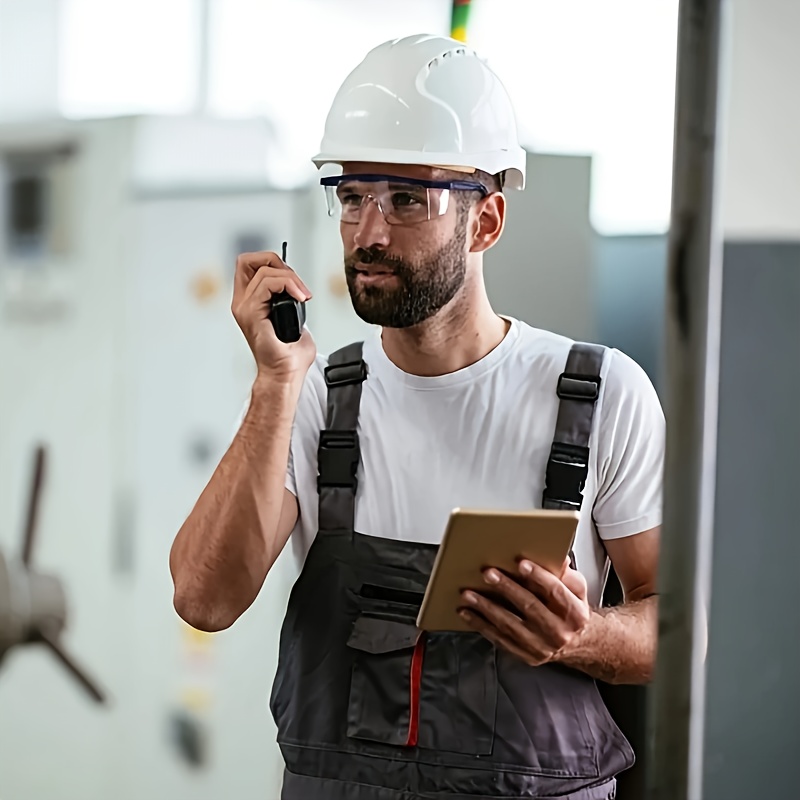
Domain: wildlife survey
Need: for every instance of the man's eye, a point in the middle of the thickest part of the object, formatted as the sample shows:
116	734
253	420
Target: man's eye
405	199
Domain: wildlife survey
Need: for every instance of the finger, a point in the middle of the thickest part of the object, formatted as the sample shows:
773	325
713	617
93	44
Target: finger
248	265
268	282
254	306
536	640
488	631
549	588
533	609
556	595
277	280
253	262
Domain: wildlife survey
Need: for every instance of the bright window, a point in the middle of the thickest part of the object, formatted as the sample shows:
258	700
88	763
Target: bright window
598	78
585	76
285	60
128	57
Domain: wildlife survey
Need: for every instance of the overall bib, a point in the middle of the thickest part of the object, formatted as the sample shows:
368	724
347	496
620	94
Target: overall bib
370	708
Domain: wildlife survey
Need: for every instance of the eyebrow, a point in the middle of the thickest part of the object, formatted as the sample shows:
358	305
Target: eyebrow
398	184
393	182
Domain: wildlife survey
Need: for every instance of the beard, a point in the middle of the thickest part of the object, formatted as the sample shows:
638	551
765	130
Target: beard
419	289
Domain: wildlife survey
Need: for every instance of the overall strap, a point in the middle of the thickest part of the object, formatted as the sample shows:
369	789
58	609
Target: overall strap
568	465
339	454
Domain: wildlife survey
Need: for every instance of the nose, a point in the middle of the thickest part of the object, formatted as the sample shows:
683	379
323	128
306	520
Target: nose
372	228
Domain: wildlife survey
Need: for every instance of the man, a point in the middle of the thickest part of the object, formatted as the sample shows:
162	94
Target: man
361	458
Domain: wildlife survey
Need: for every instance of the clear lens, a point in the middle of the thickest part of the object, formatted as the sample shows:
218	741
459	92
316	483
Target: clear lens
400	203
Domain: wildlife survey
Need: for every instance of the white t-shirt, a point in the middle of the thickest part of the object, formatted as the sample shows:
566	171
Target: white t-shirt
480	438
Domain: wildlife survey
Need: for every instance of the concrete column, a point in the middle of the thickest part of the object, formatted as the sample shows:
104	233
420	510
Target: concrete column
750	699
752	736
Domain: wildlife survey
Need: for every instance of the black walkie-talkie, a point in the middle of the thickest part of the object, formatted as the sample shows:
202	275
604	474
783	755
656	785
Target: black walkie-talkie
287	314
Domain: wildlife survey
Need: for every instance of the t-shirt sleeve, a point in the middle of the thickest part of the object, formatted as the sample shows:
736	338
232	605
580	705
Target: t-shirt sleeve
630	452
291	478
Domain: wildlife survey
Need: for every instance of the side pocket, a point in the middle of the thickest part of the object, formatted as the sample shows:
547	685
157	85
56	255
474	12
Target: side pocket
379	709
458	694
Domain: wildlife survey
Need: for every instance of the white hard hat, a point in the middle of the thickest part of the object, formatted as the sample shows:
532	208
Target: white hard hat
424	100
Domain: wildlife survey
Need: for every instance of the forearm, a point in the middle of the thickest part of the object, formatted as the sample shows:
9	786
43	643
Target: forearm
618	645
229	541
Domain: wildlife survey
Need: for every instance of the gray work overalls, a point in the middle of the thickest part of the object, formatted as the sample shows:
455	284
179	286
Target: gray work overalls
370	708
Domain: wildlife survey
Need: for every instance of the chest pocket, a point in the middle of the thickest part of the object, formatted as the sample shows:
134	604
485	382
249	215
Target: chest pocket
434	692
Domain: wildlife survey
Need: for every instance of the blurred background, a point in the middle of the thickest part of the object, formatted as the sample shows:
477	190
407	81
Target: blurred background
143	145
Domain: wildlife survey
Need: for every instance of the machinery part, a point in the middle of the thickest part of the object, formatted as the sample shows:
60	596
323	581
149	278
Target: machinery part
33	607
30	605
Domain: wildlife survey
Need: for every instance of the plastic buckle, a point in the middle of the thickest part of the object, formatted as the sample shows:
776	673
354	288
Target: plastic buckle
572	386
338	458
345	374
565	480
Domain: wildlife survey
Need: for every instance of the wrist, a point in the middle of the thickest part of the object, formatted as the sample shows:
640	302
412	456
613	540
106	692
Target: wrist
277	384
574	652
274	397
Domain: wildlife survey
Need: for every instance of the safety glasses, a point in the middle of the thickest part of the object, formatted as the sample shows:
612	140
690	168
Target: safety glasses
402	201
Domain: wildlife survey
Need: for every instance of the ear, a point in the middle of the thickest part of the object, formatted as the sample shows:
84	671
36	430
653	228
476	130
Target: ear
487	220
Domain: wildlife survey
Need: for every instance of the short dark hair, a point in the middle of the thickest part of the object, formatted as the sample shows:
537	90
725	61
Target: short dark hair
465	200
494	183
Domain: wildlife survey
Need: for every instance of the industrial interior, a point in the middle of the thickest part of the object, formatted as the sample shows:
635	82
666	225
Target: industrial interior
145	145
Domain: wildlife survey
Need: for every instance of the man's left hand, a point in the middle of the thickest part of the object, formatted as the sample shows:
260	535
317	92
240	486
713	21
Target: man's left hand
551	611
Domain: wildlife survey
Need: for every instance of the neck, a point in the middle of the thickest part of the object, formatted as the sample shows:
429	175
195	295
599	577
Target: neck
463	332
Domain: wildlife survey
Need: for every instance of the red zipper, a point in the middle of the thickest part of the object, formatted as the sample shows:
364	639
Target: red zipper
416	678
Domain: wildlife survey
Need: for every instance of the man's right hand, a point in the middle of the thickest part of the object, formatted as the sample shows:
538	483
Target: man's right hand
258	277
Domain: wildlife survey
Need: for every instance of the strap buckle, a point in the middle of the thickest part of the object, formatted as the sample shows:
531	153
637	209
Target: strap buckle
565	478
338	458
574	386
345	374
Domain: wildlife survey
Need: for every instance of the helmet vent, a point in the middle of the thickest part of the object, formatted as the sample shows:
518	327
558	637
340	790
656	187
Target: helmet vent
459	51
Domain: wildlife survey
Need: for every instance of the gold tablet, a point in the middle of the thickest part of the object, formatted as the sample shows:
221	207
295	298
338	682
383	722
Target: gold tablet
477	539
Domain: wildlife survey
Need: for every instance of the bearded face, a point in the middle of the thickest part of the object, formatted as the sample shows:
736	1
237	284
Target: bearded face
400	292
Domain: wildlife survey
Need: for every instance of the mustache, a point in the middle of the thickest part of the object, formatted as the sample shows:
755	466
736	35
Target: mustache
373	255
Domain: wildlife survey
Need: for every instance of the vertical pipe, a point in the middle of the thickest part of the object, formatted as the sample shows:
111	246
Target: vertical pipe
693	328
459	19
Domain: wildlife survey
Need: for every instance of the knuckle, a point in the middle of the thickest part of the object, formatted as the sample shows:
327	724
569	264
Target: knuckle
562	639
572	621
507	629
502	624
529	609
578	616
